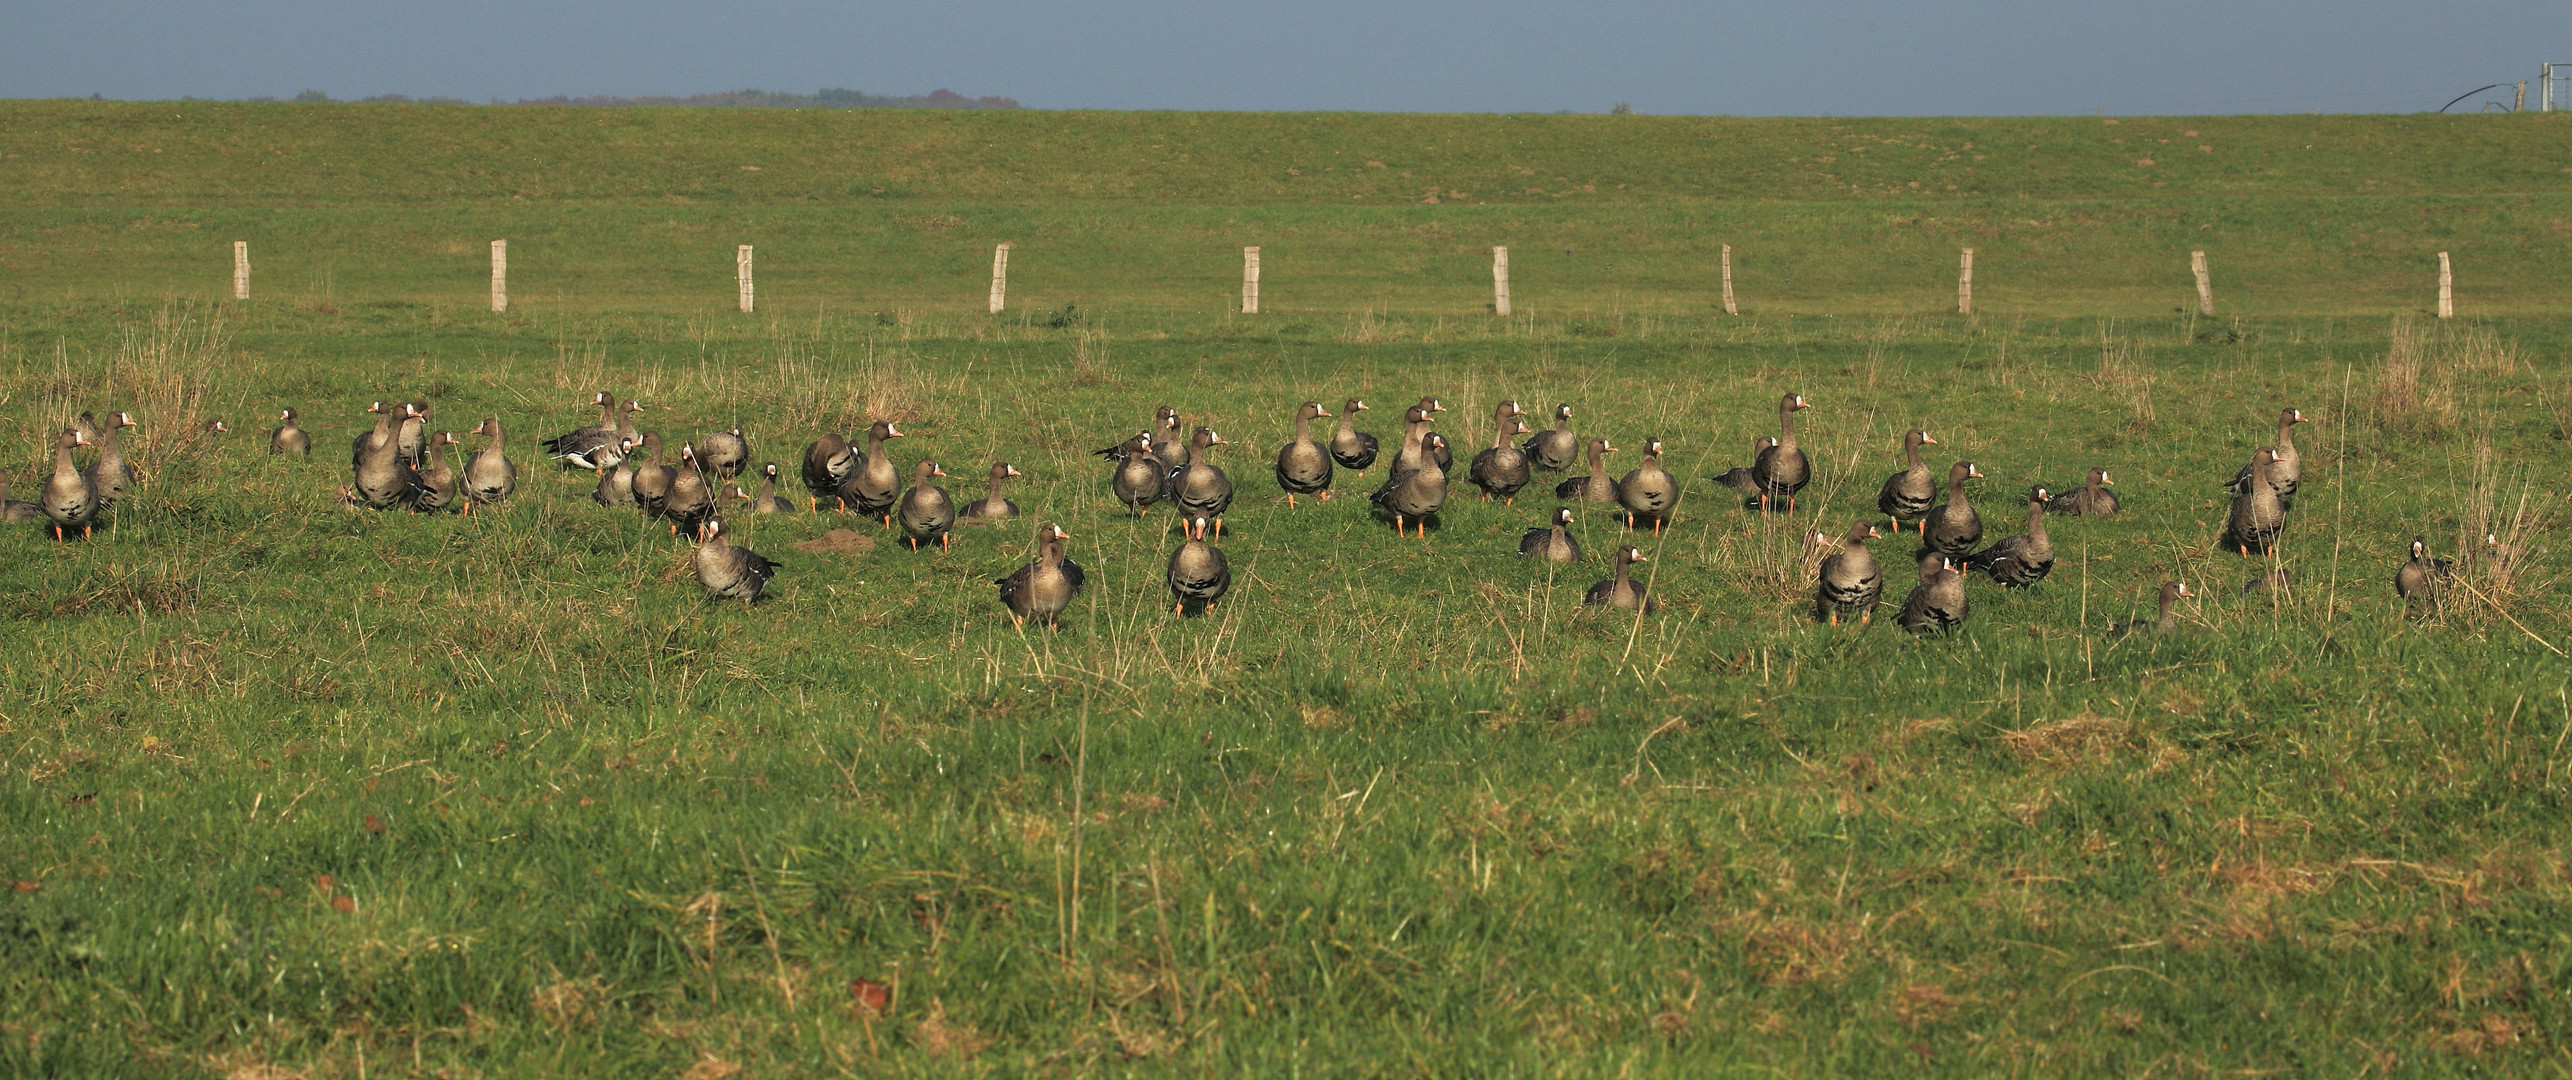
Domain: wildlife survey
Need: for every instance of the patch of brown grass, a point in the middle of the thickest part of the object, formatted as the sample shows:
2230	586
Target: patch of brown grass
569	1005
837	542
2079	740
1920	1005
938	1036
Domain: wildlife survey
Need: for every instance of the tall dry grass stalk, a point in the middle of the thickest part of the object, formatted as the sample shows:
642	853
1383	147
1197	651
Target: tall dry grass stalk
2498	532
162	372
2125	376
2421	382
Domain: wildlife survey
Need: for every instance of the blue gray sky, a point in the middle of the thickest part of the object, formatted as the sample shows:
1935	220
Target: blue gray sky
1855	57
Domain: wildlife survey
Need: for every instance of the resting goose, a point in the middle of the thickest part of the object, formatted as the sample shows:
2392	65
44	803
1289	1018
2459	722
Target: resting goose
1595	486
926	512
1552	543
616	486
1953	528
2091	499
827	462
993	507
2171	591
725	453
595	447
1413	495
217	427
2288	469
1041	589
2422	580
68	501
1851	582
382	479
1303	467
2278	580
652	480
1907	495
872	487
1649	493
1351	448
1501	469
12	509
413	435
436	484
2022	560
768	501
731	573
110	476
290	437
1782	470
1199	574
387	419
1141	479
1938	603
1742	478
690	502
1622	592
2258	516
1201	489
1556	448
489	476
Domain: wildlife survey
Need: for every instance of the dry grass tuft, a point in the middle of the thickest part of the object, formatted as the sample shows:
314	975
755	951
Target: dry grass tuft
2079	740
939	1036
569	1005
2128	379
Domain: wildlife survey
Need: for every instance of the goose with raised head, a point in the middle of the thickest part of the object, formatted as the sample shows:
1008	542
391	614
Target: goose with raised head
68	501
1141	479
1555	448
1649	493
1594	486
2019	561
595	447
2091	499
724	453
616	486
1201	489
1172	438
1350	448
690	502
1938	603
2286	469
1431	407
1303	466
1782	470
413	435
1502	468
1622	592
290	436
1552	543
827	462
731	573
2258	517
110	476
388	419
2422	580
767	501
1743	478
2171	593
435	480
872	487
1044	587
1851	581
382	480
652	480
994	506
489	476
1412	496
1953	528
1907	495
926	512
1199	573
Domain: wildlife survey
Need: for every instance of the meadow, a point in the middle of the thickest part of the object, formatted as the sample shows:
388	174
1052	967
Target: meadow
294	789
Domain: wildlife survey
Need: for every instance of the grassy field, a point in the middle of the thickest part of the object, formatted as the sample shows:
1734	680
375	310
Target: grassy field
294	789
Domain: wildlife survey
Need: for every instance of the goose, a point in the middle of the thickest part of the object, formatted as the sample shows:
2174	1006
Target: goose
1172	438
725	453
871	488
1501	468
689	505
1953	528
827	461
1851	582
926	511
1621	592
651	482
1351	448
1141	479
12	509
1555	448
413	436
768	501
1782	470
993	507
594	447
616	486
731	573
290	437
2020	561
382	479
387	419
1412	495
1907	495
625	422
489	476
2288	469
2171	592
2278	580
2091	499
110	476
1202	490
435	485
1595	486
1408	456
2258	516
1743	478
1199	574
1649	493
2422	580
1303	467
217	427
1125	451
1937	604
1552	543
68	499
1041	589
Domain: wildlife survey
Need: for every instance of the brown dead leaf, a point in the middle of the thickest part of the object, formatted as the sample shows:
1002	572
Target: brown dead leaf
872	997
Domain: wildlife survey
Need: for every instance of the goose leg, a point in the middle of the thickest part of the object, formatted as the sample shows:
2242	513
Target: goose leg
1325	496
1290	500
1835	618
1179	610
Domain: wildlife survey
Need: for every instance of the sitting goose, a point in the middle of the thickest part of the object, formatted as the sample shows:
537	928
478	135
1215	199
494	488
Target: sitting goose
2258	516
871	488
1413	495
110	476
689	505
290	437
2422	580
1199	574
12	509
1649	493
1595	485
382	479
652	480
1937	604
2022	560
1351	448
1041	589
1201	489
1555	448
1621	592
1907	495
725	453
2091	499
2171	592
1141	479
1851	583
594	447
436	484
1953	528
926	511
731	573
489	476
2288	470
1303	467
1552	543
768	501
992	507
616	486
68	499
1501	469
2278	580
1741	478
413	435
1782	470
827	462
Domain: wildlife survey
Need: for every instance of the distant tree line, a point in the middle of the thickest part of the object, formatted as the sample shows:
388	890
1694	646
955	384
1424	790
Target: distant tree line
826	98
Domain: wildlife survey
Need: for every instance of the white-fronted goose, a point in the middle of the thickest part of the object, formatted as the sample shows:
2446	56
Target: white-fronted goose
387	420
2171	592
14	510
1953	528
290	437
1851	582
926	512
767	501
1501	468
217	427
2287	470
1594	486
594	447
489	476
1407	457
2258	517
413	435
652	480
1649	493
625	422
1552	543
1622	592
1782	470
1743	478
435	480
827	462
2422	580
1172	438
2022	560
1303	466
725	453
728	572
872	487
690	502
68	501
2091	499
1937	604
2277	580
382	479
1202	490
616	486
1041	589
1412	495
1556	448
994	507
110	476
1908	495
1199	574
1142	478
1351	448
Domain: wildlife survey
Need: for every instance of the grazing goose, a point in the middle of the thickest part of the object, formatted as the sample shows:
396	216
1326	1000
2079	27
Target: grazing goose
2258	516
382	479
110	476
2278	580
993	507
2091	499
1851	582
1953	528
1351	448
1201	489
2422	580
1782	470
872	487
68	501
1649	493
926	511
1199	574
731	573
1041	589
724	453
2288	470
1621	592
2171	592
1907	495
1413	495
1303	467
1501	468
1742	478
594	447
489	476
1552	543
768	501
436	488
1555	448
690	502
1141	479
1937	604
2022	560
827	462
413	436
616	486
12	509
652	480
290	437
1595	486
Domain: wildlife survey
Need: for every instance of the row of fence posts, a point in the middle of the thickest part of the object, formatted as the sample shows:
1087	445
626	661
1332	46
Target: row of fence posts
1250	280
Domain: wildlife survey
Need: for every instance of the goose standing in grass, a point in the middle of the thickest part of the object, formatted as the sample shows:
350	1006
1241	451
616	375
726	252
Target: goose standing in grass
1303	466
2287	468
1413	495
1649	493
436	482
1937	604
489	476
731	573
14	510
2422	580
725	453
382	479
1121	451
1908	495
2091	499
827	463
1953	528
1199	573
872	487
68	501
1446	462
1622	592
1851	581
595	447
2022	560
1552	543
1782	470
1350	448
1595	485
2171	592
413	435
1202	490
1555	448
768	501
2258	516
1172	438
1743	478
1141	479
290	436
927	513
993	507
1501	469
1041	589
387	419
690	503
652	480
110	476
616	486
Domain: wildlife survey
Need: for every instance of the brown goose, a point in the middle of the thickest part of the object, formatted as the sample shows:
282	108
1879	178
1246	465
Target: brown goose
827	462
2422	580
1041	589
2288	469
436	488
625	422
1405	458
725	453
388	419
68	500
1907	495
413	436
1552	543
872	487
290	437
110	476
594	447
616	486
2258	517
690	502
1937	604
731	573
1622	592
1851	583
1172	438
2091	499
994	507
1953	527
2171	592
1649	493
1501	469
1199	574
926	511
1781	470
1351	448
1141	479
1740	477
1413	495
768	501
1595	486
1303	467
1555	448
2022	560
1201	489
489	476
382	479
652	480
12	509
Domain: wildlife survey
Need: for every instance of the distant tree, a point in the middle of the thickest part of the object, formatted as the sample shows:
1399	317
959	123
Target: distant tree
312	95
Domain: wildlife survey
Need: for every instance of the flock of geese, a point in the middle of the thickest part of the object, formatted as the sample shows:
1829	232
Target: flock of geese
405	462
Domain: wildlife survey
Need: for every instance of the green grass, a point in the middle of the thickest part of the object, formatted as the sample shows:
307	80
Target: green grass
1396	807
